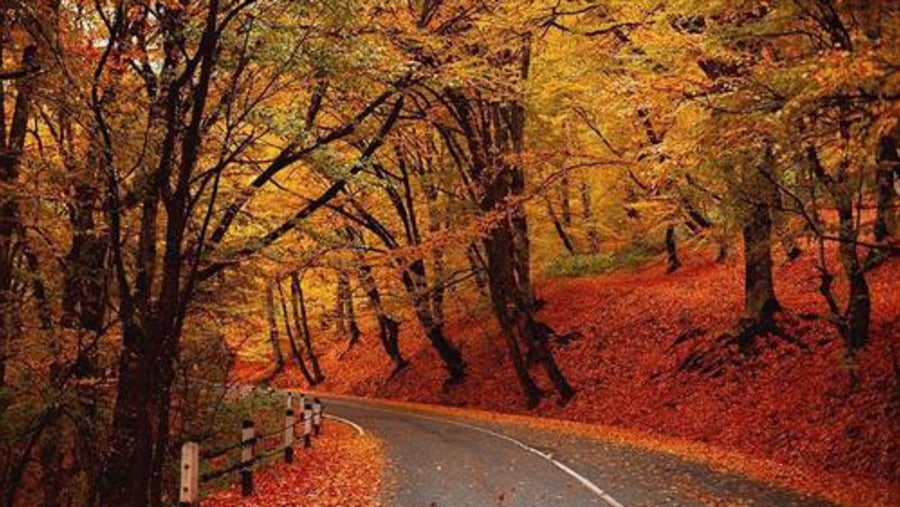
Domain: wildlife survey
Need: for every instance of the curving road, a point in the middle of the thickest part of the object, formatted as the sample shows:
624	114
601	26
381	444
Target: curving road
442	461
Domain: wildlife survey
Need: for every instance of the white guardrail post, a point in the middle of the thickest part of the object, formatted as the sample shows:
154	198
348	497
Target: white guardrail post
189	494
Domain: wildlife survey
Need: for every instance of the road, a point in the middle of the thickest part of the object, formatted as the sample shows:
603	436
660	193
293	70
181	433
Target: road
452	461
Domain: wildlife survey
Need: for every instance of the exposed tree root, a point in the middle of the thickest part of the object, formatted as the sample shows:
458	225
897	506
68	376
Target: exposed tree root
734	349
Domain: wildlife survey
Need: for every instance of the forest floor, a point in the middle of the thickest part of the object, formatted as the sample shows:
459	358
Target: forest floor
342	469
649	362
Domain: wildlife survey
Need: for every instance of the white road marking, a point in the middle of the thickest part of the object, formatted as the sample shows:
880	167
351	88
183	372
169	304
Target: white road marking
606	497
347	422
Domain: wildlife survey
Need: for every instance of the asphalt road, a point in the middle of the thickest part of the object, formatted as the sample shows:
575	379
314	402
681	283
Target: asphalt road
444	461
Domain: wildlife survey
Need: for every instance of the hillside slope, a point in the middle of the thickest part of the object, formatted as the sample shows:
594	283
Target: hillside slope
792	402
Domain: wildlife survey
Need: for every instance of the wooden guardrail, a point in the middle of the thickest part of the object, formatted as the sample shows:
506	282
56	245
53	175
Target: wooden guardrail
253	450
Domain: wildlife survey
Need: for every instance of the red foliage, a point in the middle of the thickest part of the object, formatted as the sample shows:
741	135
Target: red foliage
792	403
343	469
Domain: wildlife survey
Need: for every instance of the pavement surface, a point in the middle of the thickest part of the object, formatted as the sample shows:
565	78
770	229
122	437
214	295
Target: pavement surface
454	461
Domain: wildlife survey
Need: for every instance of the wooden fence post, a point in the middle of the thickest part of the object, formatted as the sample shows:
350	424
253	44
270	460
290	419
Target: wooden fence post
290	401
317	416
289	435
189	495
248	441
307	424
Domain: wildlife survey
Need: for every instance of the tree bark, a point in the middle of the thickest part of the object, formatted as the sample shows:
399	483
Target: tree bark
565	200
346	314
437	253
760	302
11	147
509	275
388	328
273	333
133	435
494	133
859	304
560	228
476	264
888	169
295	351
671	250
415	282
855	318
298	302
590	222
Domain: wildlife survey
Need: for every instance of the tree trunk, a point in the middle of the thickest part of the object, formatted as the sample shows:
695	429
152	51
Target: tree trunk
125	479
295	351
509	275
560	229
388	328
671	250
565	200
84	294
298	301
590	222
415	281
782	227
273	333
854	320
760	303
888	159
476	264
11	147
346	314
502	286
859	305
437	253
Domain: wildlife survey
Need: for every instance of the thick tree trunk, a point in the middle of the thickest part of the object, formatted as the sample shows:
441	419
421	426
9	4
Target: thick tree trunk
297	300
760	302
888	159
295	351
509	275
126	477
161	448
11	147
502	286
859	304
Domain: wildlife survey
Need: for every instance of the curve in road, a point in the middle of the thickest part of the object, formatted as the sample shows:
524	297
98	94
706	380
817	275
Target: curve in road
453	461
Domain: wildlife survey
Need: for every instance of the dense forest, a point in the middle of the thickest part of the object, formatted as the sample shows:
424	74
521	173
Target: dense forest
187	182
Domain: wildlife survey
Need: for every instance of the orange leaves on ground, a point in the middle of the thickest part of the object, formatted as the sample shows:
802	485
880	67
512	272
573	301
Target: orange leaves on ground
343	469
